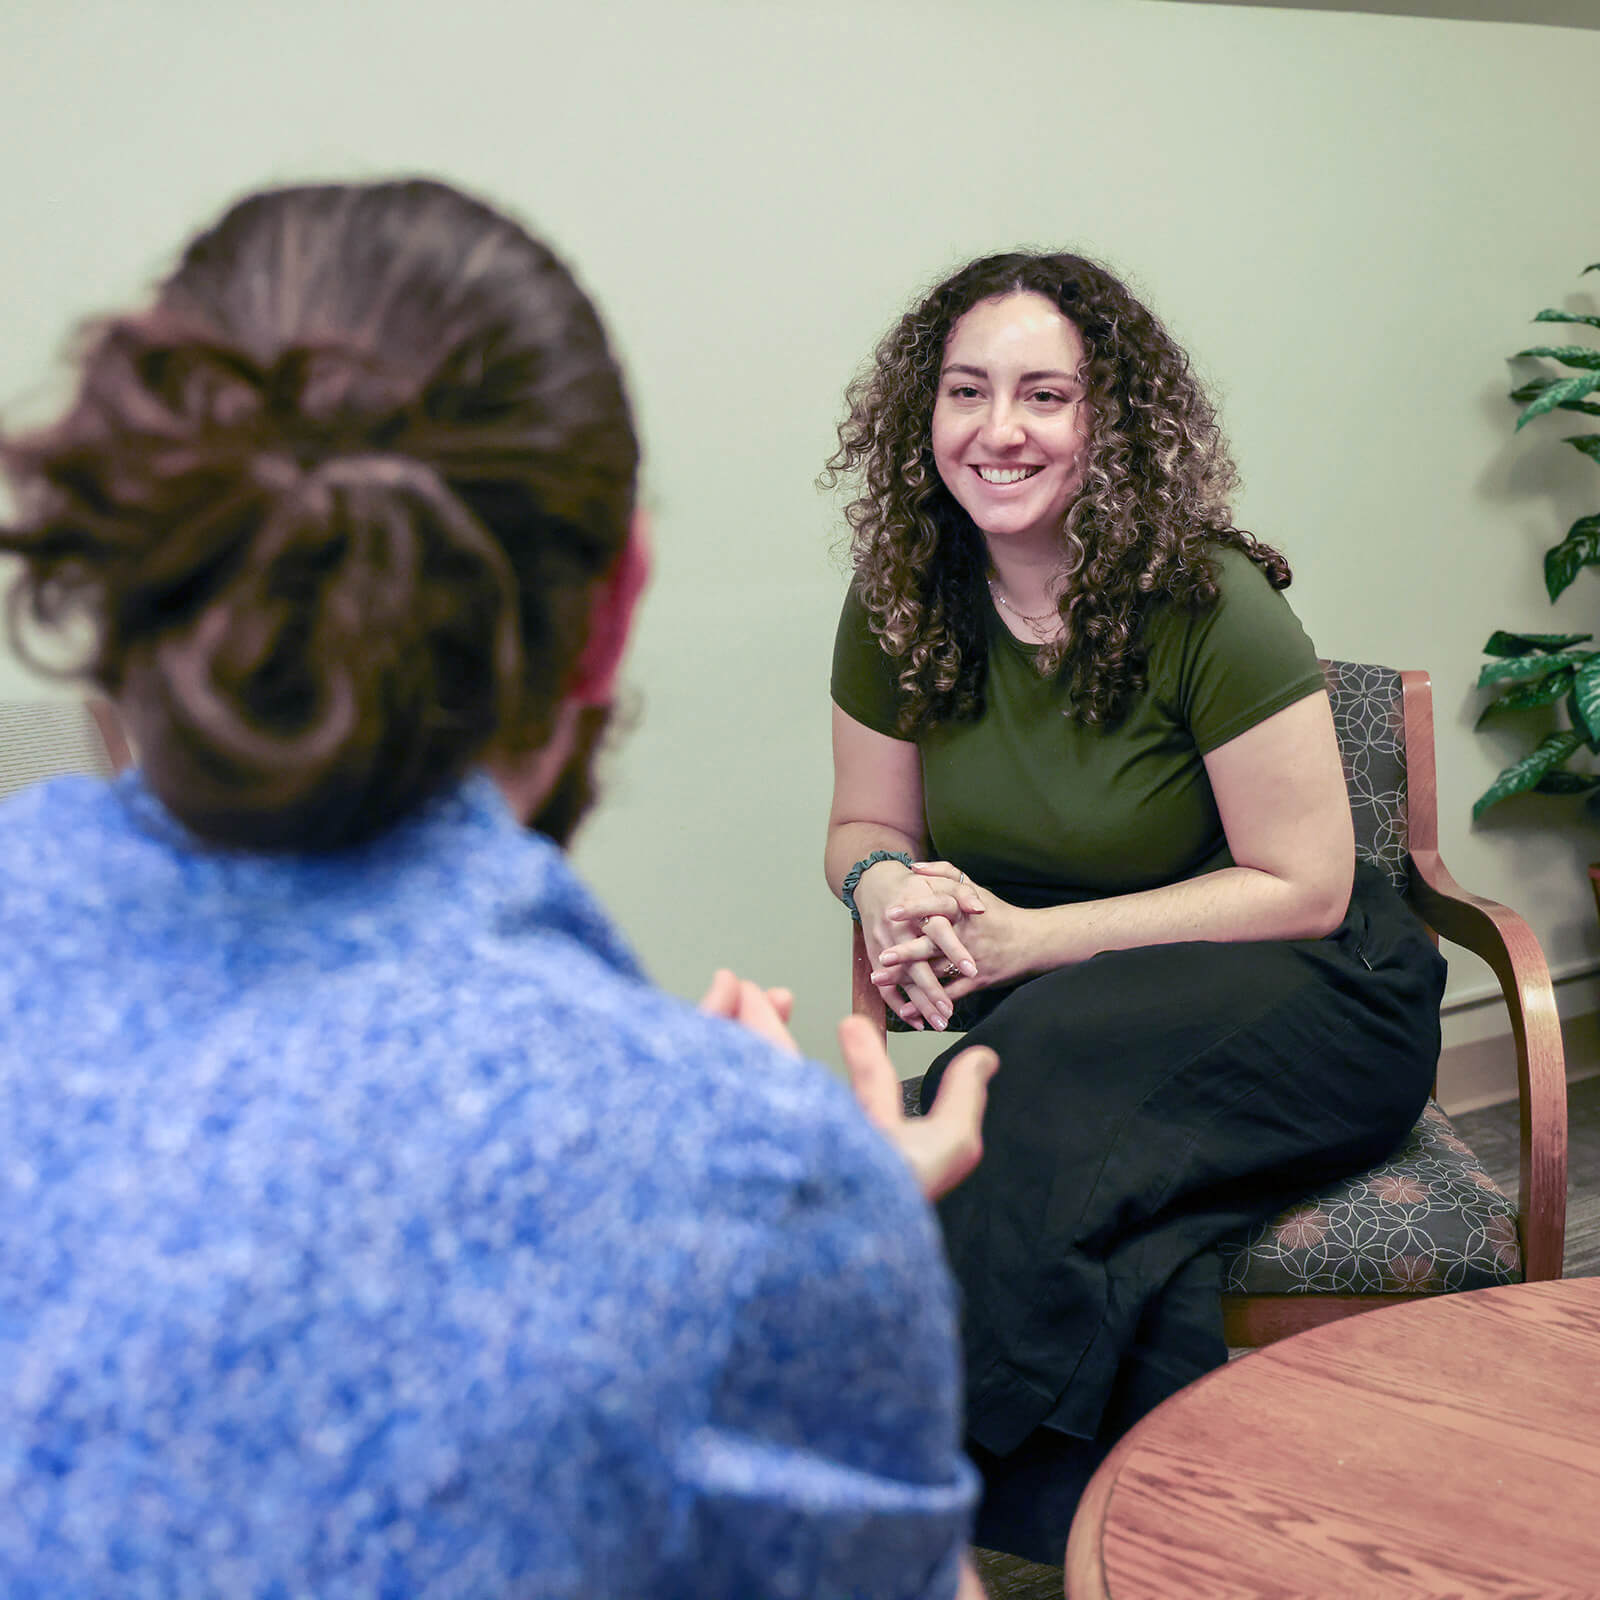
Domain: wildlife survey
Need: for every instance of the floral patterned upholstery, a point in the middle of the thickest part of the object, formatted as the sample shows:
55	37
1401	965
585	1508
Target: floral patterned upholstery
1369	719
1429	1219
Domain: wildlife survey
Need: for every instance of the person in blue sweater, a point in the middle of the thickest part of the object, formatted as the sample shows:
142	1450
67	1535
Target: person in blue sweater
369	1225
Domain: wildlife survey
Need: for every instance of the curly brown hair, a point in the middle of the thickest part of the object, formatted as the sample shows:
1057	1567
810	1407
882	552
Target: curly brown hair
1154	498
331	505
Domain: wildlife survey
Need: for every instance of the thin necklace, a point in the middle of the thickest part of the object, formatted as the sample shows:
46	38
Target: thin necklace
1021	616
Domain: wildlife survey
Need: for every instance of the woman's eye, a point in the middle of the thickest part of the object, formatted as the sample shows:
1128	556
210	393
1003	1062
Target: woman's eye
1048	396
963	391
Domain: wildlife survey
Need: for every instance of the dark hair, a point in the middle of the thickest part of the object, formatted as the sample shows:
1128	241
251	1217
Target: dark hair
332	506
1153	500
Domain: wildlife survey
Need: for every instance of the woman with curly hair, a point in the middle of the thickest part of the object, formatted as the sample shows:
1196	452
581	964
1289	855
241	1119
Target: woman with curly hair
1088	805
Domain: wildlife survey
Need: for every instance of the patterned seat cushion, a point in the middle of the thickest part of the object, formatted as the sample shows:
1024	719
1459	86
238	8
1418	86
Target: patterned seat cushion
1427	1220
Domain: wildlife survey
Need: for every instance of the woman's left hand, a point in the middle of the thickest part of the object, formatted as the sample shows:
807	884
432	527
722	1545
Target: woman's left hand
993	933
940	1148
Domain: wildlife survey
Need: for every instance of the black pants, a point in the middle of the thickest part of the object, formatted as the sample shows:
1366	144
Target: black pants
1149	1104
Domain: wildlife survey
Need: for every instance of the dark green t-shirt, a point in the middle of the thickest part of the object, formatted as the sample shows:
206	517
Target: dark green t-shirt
1044	810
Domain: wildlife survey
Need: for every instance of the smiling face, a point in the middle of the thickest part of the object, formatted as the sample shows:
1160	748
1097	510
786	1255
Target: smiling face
1010	425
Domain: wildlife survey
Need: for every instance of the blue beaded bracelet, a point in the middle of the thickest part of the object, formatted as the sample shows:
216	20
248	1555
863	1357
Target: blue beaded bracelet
853	876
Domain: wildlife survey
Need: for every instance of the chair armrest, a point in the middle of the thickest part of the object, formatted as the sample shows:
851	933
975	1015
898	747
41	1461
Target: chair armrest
865	1001
1507	943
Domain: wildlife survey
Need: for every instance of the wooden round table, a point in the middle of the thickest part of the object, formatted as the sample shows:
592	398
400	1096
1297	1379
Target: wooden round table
1444	1447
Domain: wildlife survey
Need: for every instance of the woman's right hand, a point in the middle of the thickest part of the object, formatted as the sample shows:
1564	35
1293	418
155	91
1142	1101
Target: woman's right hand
896	904
944	1145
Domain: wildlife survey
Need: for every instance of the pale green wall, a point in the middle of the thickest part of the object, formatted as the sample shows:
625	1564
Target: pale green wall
1346	218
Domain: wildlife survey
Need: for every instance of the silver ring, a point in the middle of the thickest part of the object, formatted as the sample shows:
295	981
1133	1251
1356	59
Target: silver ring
952	970
962	878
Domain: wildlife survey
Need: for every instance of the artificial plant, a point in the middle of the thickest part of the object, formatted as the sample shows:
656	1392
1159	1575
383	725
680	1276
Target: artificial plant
1539	669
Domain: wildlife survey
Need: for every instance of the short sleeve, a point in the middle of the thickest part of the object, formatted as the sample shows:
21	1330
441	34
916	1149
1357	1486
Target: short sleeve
831	1462
863	683
1235	665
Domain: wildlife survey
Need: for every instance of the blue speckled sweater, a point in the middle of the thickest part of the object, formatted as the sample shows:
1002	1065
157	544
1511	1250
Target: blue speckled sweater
370	1227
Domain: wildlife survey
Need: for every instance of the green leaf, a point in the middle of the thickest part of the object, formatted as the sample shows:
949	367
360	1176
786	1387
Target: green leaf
1540	693
1567	783
1580	549
1526	773
1560	393
1571	355
1567	316
1594	266
1586	703
1519	669
1502	643
1535	387
1579	722
1586	443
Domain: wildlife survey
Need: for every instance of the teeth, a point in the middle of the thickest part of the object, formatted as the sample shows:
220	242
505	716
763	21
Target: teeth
1006	474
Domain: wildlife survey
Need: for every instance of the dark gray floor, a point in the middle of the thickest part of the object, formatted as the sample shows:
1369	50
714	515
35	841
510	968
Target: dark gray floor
1493	1135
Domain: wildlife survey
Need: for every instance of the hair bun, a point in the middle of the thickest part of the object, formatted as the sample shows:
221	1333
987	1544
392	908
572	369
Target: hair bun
358	601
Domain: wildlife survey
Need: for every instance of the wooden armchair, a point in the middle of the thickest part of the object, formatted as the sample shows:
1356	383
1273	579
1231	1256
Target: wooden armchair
1429	1220
43	738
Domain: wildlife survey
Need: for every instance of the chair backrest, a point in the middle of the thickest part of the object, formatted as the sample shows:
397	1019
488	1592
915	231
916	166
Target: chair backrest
1370	717
42	738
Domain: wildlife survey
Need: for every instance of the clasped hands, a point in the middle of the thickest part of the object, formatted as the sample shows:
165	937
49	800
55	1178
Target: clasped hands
934	936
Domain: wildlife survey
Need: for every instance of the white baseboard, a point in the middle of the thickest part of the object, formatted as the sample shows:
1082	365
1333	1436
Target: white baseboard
1482	1071
1582	974
1478	1062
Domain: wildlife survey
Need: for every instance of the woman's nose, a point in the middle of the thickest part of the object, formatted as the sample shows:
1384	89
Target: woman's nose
1002	428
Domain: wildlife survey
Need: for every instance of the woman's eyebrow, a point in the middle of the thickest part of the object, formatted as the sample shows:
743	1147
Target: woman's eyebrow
1052	374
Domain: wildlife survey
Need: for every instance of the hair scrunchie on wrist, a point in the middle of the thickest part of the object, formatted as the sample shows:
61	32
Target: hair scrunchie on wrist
848	892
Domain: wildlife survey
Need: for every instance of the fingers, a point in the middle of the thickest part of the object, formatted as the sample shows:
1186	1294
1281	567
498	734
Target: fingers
758	1014
872	1074
953	1125
763	1011
953	900
938	943
925	992
916	908
963	889
915	995
943	1147
896	999
922	978
964	1089
722	998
